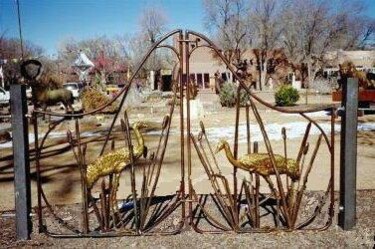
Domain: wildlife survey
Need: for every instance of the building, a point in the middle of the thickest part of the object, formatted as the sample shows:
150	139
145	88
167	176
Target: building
363	60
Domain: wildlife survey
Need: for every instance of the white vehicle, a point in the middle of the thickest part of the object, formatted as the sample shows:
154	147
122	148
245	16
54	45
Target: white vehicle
4	96
29	92
74	87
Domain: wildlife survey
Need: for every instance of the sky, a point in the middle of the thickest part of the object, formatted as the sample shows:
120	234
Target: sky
48	22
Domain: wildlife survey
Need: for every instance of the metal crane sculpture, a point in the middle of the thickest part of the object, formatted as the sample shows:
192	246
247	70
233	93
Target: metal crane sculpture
115	162
260	163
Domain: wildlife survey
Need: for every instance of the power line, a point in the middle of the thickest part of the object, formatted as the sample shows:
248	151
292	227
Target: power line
19	26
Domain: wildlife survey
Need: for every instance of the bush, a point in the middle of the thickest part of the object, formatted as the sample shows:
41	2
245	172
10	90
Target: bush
228	95
93	98
286	95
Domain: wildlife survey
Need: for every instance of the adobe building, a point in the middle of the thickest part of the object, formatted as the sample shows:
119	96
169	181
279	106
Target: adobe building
363	60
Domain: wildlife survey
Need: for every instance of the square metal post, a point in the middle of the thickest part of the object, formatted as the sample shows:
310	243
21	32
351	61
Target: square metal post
348	155
22	192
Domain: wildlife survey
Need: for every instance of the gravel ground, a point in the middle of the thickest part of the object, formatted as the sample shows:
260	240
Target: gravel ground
362	236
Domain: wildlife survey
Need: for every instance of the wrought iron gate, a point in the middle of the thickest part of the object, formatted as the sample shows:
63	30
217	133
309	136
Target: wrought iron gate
232	204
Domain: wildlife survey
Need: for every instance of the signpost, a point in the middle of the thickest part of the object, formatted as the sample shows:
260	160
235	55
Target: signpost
348	155
22	192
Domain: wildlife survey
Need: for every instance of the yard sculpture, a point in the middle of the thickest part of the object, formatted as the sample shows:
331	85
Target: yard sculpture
115	162
260	164
44	97
348	70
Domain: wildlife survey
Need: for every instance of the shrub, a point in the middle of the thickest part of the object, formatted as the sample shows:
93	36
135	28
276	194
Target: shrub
93	98
228	95
286	95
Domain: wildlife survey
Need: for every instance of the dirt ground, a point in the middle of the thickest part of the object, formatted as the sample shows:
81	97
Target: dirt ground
61	178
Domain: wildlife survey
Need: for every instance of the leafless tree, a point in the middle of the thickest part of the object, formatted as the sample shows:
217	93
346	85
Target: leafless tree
314	27
153	23
228	22
266	31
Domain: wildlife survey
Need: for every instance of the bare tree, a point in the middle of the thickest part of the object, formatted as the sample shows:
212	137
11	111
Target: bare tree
228	22
315	27
266	29
153	23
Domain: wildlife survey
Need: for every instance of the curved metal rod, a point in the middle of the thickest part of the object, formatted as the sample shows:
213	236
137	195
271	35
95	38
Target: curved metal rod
320	129
132	78
241	81
124	89
170	47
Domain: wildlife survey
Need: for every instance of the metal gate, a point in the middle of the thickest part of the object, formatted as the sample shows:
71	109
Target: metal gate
231	205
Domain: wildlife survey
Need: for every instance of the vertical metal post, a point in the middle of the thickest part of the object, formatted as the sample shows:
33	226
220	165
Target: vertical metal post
21	162
348	155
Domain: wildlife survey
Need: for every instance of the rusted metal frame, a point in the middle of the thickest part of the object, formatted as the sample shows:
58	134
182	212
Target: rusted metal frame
273	162
125	90
171	48
85	226
250	203
210	218
319	128
188	127
211	174
126	128
330	188
81	164
60	220
188	54
209	146
41	194
168	210
269	149
235	149
198	211
182	131
257	186
166	126
265	136
219	195
41	227
284	136
231	198
317	211
303	179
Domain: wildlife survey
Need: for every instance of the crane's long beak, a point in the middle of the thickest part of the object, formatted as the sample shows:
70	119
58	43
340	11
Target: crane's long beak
217	150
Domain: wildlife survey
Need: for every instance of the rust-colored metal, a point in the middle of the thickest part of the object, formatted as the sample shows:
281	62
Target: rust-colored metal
228	208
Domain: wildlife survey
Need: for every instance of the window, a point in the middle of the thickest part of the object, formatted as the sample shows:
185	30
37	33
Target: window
206	80
199	79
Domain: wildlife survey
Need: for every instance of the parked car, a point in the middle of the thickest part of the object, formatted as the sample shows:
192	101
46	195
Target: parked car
75	88
112	90
4	96
28	93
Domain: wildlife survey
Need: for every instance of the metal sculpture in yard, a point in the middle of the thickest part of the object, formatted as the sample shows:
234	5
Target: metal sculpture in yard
222	208
114	162
261	164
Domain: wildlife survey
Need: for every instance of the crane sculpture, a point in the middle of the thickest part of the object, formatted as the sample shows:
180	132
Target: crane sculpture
115	162
260	163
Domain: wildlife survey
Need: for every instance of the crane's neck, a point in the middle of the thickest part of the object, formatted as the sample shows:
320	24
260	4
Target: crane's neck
138	149
230	156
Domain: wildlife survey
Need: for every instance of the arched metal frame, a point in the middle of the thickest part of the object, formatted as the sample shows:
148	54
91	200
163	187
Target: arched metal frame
183	53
